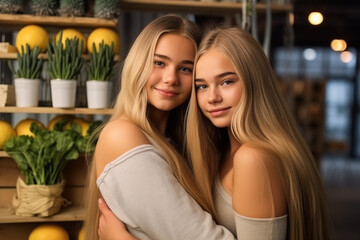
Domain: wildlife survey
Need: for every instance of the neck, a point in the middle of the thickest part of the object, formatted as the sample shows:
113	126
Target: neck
158	118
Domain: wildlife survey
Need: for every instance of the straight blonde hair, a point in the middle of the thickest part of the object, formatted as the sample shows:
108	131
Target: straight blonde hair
132	101
263	121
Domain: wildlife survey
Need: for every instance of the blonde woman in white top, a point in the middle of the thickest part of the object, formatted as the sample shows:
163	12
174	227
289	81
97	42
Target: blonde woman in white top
240	132
138	164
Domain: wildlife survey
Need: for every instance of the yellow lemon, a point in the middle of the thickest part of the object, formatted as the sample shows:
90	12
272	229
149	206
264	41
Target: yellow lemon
34	36
7	131
72	33
49	232
84	125
106	34
23	127
81	235
56	119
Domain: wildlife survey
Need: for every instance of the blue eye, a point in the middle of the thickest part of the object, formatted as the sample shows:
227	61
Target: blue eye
227	82
186	69
201	87
159	63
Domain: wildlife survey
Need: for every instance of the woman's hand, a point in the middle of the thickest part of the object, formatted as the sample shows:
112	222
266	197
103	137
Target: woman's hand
110	227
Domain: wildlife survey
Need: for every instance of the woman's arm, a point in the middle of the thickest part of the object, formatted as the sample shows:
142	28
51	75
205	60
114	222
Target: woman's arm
110	227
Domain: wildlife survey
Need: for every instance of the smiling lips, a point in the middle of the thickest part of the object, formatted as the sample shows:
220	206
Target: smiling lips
167	93
216	112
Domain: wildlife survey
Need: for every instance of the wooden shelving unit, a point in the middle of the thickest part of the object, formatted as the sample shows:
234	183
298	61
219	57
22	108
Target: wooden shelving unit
306	100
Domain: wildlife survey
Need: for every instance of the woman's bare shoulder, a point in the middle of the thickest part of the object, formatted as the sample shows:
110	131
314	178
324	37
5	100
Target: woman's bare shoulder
248	155
258	187
255	162
117	137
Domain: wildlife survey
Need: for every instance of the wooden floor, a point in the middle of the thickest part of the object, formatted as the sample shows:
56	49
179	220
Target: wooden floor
342	180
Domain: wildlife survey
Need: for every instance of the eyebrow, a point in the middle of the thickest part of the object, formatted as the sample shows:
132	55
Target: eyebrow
221	75
167	58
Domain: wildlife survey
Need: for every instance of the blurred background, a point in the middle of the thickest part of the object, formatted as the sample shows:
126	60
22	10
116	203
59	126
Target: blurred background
313	46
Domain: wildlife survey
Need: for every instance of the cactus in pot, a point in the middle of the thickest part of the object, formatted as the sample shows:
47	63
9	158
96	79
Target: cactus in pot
100	70
27	76
101	66
64	66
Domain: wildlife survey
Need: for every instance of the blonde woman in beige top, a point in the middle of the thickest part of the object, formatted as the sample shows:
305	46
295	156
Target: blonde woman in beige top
240	130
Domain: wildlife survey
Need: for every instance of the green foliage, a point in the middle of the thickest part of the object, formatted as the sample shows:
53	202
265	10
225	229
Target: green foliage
29	65
42	158
65	62
82	142
101	66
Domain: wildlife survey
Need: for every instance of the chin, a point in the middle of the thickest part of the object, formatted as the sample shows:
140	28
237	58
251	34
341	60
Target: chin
221	124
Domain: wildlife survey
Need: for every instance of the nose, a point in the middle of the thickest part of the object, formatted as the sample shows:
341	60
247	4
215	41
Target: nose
214	96
170	76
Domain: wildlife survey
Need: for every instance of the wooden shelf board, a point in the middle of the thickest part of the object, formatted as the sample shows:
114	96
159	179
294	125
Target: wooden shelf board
197	7
51	110
3	154
13	56
72	213
25	19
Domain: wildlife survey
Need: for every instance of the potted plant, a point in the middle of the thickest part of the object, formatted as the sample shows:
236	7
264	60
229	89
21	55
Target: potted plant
65	64
41	160
27	76
100	70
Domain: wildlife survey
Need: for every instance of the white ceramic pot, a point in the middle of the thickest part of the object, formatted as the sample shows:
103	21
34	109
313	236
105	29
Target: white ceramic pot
63	93
98	93
27	92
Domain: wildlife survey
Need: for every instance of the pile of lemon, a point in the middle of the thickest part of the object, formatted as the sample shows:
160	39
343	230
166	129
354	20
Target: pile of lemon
7	131
23	127
52	232
35	35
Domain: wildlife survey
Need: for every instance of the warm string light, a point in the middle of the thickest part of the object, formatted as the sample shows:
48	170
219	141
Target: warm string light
315	18
338	45
346	56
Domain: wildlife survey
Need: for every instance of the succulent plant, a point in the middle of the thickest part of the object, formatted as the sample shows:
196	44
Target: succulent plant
72	8
11	6
43	7
106	8
65	62
29	63
101	66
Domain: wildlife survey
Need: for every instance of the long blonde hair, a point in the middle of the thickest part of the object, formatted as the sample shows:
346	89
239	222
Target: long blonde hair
263	121
132	101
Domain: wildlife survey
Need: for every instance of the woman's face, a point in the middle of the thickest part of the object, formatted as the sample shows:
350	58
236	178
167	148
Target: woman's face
218	87
170	82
